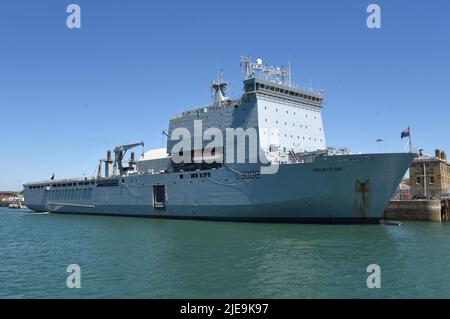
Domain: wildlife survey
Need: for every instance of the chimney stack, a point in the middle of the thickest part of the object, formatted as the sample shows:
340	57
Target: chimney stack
108	163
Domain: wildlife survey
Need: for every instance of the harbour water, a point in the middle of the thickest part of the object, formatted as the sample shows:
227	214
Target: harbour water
149	258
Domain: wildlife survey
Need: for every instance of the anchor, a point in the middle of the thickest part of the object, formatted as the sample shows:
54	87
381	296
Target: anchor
363	188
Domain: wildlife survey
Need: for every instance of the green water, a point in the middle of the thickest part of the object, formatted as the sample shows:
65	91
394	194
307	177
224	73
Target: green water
146	258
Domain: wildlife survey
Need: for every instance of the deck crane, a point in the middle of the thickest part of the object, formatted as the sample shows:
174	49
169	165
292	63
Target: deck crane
119	153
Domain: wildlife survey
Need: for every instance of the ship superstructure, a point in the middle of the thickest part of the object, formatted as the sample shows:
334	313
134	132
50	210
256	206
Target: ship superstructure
196	176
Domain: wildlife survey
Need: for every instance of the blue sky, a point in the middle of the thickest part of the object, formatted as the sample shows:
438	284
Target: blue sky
66	96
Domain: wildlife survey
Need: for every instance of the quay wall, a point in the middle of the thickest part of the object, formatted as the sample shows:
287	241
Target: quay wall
418	210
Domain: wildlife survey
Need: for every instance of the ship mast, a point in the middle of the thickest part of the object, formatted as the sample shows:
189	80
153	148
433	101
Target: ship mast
220	87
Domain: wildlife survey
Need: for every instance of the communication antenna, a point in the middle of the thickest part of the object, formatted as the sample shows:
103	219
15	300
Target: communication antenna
265	71
290	73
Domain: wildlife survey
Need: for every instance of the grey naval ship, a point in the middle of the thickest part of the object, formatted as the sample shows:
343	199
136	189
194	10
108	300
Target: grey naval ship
294	178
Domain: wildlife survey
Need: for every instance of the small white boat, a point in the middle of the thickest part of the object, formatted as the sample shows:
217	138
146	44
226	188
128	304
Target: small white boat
16	205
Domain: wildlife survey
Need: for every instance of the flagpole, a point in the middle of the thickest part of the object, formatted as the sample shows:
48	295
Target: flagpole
410	143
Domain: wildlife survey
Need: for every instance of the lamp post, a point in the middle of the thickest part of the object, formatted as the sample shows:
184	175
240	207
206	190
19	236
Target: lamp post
379	144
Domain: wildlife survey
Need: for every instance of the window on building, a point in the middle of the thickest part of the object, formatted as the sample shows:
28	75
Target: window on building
418	168
431	167
418	181
432	180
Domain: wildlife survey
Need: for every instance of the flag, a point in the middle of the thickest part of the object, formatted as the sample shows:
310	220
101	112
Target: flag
53	177
405	133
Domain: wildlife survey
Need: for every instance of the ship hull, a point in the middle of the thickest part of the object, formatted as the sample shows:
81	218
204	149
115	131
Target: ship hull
333	189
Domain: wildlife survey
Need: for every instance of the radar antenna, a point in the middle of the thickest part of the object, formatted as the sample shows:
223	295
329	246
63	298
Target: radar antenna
268	73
